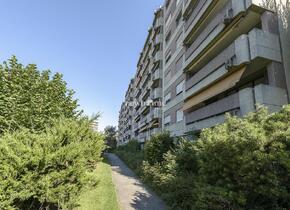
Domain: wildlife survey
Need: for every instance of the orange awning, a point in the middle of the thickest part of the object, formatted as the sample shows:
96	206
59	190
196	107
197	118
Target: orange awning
214	89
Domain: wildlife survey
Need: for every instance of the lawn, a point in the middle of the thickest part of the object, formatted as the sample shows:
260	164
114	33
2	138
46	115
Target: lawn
103	196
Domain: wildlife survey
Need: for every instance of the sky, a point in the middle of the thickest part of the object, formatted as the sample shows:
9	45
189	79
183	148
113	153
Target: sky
94	44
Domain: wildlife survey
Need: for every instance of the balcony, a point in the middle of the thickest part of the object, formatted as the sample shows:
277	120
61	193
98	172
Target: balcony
156	75
239	104
157	57
254	50
145	80
156	93
143	123
203	12
155	131
158	39
226	24
216	108
156	113
135	127
145	94
137	118
143	126
138	92
145	110
158	23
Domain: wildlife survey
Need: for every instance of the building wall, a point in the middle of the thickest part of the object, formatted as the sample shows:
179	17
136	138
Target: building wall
283	11
231	55
173	68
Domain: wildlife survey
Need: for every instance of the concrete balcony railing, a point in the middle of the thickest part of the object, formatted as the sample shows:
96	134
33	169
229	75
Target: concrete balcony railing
156	113
135	127
255	49
219	25
145	94
137	116
216	108
158	57
145	110
145	80
138	93
158	39
156	93
157	74
158	22
142	124
155	131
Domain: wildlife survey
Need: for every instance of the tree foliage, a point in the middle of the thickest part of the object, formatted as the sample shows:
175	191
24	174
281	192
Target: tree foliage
47	149
111	136
31	99
48	169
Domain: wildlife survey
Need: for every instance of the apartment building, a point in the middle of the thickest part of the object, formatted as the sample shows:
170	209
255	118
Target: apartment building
125	124
232	62
215	57
147	96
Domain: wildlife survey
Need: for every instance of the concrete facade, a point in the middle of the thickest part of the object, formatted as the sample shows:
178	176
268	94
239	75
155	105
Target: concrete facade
216	57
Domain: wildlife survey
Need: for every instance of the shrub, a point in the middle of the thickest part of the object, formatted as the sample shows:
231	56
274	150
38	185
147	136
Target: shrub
48	169
132	154
243	164
248	160
157	146
185	156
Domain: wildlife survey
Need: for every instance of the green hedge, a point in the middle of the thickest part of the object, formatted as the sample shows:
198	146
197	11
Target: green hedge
132	154
47	170
241	164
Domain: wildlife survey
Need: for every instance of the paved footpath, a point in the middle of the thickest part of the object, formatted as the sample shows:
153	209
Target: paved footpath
132	194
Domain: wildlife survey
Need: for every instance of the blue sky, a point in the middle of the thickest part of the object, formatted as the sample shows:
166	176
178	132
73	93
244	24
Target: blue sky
95	44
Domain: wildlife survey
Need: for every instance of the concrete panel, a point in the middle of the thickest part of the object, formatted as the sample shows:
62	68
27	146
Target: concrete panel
272	97
247	101
276	75
176	129
265	45
226	104
206	123
283	10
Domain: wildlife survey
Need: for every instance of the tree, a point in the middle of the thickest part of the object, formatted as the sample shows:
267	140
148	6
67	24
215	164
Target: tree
111	136
31	99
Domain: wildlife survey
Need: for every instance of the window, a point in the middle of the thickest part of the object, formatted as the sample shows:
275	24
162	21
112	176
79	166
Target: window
168	20
178	19
167	4
167	120
179	115
168	56
179	41
167	98
167	73
179	88
167	38
179	63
